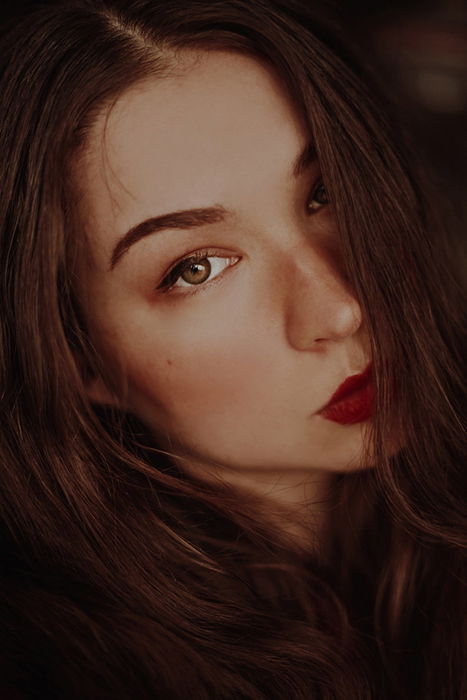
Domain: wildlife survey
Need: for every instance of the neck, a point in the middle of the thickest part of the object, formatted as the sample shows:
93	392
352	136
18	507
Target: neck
297	501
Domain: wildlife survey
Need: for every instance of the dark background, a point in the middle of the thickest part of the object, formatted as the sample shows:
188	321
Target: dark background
419	48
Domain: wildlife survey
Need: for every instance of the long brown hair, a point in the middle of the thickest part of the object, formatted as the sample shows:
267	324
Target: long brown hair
122	576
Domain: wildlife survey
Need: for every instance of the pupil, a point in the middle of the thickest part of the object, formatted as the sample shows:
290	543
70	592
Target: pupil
197	272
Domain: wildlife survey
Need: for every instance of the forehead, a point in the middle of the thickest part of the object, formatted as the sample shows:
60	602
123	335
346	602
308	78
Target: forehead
202	133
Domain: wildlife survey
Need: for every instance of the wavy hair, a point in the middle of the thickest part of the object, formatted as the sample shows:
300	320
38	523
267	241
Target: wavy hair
123	577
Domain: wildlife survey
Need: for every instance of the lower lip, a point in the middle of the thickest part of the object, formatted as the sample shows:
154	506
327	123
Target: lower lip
354	408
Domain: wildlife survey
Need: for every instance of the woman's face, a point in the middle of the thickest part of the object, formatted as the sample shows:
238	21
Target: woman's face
231	355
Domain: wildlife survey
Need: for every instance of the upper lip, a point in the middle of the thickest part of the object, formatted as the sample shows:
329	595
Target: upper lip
351	384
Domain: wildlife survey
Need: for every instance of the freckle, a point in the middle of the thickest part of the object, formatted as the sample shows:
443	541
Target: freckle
170	363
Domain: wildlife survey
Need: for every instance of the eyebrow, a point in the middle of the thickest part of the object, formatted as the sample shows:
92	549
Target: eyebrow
186	219
192	218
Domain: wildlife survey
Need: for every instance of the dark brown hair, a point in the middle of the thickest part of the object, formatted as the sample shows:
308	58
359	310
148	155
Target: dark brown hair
122	576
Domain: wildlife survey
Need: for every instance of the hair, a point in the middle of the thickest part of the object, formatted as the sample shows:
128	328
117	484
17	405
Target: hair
122	575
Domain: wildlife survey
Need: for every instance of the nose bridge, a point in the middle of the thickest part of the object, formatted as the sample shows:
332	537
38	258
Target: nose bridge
319	303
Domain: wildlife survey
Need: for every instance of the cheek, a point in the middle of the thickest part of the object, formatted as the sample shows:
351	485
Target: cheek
214	367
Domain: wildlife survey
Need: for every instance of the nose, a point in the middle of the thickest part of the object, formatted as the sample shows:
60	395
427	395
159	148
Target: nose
320	306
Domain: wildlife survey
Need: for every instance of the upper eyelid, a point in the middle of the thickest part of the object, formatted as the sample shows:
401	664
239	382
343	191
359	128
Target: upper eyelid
191	257
318	182
197	254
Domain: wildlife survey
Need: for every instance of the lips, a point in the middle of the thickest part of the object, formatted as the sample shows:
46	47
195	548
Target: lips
352	402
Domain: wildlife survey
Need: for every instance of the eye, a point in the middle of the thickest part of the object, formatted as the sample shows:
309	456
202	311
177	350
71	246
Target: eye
196	269
318	197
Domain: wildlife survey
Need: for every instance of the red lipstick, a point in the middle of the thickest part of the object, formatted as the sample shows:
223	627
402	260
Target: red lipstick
353	400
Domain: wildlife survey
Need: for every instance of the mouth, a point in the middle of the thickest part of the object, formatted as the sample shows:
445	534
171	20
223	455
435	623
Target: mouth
352	402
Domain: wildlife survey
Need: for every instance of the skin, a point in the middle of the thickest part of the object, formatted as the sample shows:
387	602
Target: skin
231	373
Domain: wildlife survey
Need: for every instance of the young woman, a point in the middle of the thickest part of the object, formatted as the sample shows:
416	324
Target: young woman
231	426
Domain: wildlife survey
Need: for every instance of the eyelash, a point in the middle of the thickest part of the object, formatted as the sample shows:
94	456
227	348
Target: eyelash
175	273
